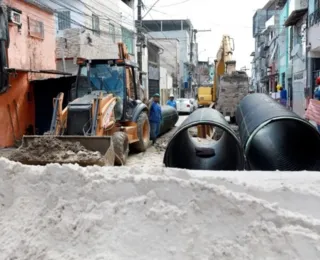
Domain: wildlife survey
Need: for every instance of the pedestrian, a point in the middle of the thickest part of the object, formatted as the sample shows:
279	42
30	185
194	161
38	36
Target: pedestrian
316	96
171	102
155	118
283	96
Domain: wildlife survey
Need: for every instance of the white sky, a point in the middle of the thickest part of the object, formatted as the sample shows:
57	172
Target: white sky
233	17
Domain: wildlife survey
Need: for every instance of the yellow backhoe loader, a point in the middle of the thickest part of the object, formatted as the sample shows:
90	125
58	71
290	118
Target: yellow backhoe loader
104	116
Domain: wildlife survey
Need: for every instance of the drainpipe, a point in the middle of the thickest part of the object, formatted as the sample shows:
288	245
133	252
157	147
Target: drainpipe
64	43
308	91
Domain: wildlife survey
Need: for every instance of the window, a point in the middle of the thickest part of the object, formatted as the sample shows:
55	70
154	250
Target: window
35	28
96	25
112	32
64	20
127	39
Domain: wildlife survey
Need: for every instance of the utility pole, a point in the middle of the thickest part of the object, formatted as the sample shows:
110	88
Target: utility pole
193	38
140	39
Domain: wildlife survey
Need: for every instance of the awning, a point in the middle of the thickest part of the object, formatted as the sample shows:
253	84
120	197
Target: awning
55	72
295	16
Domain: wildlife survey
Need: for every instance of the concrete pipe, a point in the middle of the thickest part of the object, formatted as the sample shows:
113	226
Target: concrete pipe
189	152
169	118
275	138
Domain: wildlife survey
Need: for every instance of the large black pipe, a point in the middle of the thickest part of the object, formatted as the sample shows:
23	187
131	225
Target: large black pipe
169	118
275	138
183	151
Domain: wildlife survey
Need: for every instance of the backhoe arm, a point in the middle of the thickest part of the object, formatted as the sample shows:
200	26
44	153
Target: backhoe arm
59	115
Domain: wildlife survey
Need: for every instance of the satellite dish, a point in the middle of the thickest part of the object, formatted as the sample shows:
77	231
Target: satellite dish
295	50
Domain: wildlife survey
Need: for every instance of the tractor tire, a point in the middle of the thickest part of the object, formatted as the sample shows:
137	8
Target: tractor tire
233	120
121	147
143	128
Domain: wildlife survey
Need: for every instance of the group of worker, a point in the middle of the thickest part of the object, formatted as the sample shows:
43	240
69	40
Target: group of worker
155	115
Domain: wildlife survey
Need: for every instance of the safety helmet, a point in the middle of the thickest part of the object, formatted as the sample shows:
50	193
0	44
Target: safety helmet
172	95
156	95
318	81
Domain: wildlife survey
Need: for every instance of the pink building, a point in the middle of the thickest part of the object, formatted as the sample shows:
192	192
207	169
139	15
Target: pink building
30	55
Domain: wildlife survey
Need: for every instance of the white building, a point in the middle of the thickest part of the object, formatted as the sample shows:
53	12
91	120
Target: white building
170	58
175	29
166	85
91	29
297	22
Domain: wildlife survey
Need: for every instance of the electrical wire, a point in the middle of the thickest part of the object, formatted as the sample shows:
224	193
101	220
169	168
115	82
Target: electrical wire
180	3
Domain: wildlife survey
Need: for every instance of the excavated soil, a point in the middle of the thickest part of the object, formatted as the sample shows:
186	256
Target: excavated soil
48	149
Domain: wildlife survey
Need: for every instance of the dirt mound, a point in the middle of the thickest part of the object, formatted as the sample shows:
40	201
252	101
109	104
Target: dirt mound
48	149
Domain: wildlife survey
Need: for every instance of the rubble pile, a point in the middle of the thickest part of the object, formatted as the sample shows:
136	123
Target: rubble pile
48	149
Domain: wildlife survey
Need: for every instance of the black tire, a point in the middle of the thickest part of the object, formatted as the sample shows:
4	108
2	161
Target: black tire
233	120
121	147
143	128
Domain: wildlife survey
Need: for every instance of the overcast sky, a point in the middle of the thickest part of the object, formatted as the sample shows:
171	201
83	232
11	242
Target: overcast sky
233	17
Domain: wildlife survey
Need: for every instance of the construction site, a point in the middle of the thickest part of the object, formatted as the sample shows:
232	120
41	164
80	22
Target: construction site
110	151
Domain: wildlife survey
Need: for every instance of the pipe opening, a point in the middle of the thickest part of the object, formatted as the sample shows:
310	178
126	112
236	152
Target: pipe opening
205	146
289	144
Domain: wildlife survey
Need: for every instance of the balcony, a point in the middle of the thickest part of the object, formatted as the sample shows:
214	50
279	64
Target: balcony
314	18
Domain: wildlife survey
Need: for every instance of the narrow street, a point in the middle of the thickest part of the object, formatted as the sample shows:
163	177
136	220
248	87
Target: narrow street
154	155
228	93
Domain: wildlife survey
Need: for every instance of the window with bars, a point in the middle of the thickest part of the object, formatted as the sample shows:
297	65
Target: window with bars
64	20
96	25
35	28
112	32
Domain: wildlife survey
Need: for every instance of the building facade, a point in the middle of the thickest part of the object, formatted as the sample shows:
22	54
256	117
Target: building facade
182	31
166	85
270	57
297	25
313	46
28	52
170	57
153	69
204	73
91	30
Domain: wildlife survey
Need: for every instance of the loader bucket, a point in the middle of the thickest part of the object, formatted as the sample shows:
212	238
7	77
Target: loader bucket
82	150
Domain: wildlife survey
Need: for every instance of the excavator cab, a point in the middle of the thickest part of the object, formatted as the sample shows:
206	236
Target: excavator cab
112	76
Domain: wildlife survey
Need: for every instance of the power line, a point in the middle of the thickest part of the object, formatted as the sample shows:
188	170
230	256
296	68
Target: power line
180	3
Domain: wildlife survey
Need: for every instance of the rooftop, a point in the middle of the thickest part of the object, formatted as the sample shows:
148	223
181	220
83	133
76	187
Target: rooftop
167	25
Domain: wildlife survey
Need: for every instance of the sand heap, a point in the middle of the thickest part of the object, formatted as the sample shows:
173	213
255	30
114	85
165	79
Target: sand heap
68	212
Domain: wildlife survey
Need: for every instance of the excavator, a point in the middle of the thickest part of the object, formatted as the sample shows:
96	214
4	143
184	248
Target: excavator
229	86
103	115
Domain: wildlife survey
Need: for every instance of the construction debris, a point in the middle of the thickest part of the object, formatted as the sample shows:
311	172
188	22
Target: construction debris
48	149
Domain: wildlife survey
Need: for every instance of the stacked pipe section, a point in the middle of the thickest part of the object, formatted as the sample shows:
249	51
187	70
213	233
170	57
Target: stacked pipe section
169	118
189	152
275	138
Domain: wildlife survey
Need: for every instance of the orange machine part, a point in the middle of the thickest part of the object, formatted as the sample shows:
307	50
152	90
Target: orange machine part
20	99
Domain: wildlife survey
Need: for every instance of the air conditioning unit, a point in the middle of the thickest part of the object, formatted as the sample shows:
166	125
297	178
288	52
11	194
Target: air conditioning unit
15	17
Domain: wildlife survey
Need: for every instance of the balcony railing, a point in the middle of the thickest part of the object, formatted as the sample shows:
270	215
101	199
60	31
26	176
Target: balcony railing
314	18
